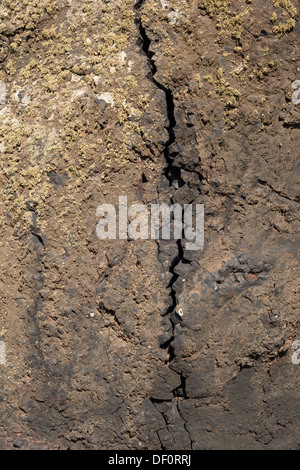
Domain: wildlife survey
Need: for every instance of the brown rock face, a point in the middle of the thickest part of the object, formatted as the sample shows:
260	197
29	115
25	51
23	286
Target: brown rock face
144	344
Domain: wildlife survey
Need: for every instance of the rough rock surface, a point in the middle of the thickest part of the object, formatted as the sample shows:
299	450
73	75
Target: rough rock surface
162	101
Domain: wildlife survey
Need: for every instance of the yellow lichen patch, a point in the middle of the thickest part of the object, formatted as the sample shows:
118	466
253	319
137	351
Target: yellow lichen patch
24	14
284	28
25	179
287	5
215	7
223	89
228	21
288	13
274	17
199	81
62	129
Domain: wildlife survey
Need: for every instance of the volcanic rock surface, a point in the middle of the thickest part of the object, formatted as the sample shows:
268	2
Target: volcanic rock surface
143	344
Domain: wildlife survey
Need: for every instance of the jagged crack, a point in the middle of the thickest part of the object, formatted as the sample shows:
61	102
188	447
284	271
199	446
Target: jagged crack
173	175
171	172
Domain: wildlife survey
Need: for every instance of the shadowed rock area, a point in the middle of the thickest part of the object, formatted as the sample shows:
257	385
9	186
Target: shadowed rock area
145	344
